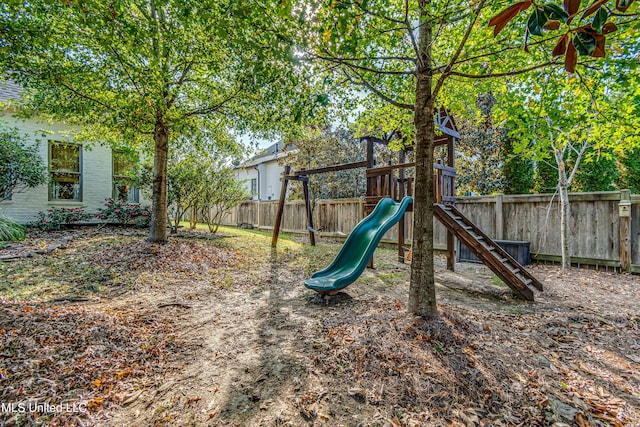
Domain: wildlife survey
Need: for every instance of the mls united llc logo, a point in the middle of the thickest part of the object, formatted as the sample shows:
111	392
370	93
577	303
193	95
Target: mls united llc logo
42	408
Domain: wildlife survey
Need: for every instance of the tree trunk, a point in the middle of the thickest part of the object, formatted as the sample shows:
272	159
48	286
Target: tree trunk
563	189
193	222
422	294
158	230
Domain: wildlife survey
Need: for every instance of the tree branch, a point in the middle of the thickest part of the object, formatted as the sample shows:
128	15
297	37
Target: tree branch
376	15
506	49
345	62
458	52
213	108
412	38
507	74
378	93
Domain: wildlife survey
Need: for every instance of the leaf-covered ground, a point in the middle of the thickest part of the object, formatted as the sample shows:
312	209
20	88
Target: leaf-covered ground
220	331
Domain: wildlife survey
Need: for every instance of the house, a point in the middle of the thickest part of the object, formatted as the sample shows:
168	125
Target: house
262	173
80	175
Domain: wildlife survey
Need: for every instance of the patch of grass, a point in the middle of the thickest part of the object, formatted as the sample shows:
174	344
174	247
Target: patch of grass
10	230
496	281
51	278
72	273
389	277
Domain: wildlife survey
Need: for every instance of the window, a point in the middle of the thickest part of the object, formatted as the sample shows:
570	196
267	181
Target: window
254	186
124	168
65	171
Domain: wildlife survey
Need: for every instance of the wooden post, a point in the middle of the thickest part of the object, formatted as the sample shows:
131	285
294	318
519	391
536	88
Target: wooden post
370	164
401	240
370	161
283	196
451	242
305	190
401	160
624	215
499	217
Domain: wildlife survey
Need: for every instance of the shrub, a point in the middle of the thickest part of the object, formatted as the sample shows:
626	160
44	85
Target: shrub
21	167
125	213
58	218
10	230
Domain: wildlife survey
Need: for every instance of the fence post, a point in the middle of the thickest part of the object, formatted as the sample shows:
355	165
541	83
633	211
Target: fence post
499	217
624	215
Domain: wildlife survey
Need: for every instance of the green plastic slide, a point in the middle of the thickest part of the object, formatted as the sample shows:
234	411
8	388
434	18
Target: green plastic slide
358	248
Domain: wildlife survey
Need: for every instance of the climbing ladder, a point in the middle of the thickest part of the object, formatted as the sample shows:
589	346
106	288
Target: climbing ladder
492	255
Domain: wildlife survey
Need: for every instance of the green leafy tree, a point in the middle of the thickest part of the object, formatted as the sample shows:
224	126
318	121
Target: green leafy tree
599	172
582	30
21	166
518	171
221	193
319	148
147	71
546	177
185	175
630	170
405	53
480	151
603	119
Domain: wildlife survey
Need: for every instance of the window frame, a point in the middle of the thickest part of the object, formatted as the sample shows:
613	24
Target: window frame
254	187
133	191
53	172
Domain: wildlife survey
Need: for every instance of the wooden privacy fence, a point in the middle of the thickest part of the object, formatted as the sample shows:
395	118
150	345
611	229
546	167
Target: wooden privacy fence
605	226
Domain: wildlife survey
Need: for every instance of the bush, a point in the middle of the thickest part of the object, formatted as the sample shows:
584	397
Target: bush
58	218
10	230
125	213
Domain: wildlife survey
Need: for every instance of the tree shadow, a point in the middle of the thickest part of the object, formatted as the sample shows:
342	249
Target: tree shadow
276	374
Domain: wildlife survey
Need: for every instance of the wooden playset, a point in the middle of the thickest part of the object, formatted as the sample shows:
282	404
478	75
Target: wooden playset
392	181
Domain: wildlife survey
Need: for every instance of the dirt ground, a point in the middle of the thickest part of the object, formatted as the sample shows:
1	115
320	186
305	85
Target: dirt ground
220	331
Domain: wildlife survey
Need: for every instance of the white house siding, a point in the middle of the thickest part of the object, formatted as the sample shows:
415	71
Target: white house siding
268	176
271	180
245	175
97	179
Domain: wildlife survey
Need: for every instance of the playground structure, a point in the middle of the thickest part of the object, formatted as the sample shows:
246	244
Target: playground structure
358	249
392	182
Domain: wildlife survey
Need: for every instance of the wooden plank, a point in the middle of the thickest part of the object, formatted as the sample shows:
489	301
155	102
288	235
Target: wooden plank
344	166
307	203
577	260
487	257
283	195
382	170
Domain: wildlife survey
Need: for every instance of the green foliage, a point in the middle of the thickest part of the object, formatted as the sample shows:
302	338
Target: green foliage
327	148
480	151
582	31
59	218
186	176
221	192
144	73
599	172
201	183
21	166
124	213
546	177
518	171
629	177
10	231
